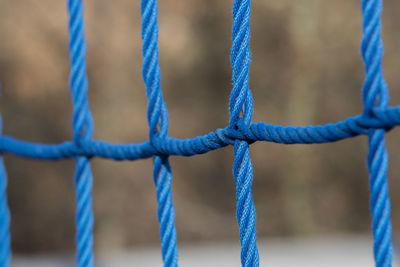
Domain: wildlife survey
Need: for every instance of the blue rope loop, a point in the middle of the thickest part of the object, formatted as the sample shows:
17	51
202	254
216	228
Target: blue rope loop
375	94
82	124
5	240
157	117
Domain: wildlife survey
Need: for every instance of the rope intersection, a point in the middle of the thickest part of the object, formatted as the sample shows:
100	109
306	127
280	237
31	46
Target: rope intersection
376	119
385	119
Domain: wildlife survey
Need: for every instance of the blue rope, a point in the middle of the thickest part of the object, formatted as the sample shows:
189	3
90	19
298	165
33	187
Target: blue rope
241	105
157	117
5	250
83	130
376	119
375	94
351	127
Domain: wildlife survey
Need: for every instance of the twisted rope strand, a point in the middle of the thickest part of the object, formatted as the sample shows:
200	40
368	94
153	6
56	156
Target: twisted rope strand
5	249
375	94
241	104
351	127
376	120
83	130
157	117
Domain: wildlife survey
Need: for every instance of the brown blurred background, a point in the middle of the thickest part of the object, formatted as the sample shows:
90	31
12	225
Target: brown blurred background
306	69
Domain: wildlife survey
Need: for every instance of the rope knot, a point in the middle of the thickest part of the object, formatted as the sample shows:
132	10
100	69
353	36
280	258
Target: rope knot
240	131
159	143
377	118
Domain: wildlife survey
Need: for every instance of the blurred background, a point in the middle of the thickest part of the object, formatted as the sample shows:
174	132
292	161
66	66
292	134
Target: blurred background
306	69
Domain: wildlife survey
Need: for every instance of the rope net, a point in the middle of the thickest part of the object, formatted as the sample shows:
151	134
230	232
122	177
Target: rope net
376	119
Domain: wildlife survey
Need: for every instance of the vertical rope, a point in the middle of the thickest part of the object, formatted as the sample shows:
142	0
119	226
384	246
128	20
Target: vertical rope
5	250
83	129
241	108
375	94
157	117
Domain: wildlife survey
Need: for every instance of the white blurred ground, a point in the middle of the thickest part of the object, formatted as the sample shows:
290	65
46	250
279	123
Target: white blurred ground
310	252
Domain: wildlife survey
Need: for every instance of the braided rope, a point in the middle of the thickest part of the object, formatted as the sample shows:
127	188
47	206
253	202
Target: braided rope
375	93
83	130
241	104
377	118
351	127
5	250
157	116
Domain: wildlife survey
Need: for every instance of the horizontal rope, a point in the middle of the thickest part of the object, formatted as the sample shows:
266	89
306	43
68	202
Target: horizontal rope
351	127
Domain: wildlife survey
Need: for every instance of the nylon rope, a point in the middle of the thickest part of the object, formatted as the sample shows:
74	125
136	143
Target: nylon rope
158	122
375	94
241	108
82	129
376	119
5	248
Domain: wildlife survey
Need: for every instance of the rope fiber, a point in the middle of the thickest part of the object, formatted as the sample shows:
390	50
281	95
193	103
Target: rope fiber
376	119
